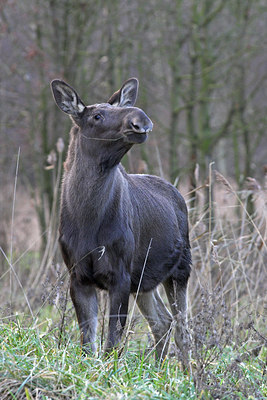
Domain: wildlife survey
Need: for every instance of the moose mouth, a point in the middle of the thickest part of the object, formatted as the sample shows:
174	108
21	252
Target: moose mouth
136	137
137	134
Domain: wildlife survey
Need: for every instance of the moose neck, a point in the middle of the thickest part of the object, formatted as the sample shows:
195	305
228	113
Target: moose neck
98	157
94	171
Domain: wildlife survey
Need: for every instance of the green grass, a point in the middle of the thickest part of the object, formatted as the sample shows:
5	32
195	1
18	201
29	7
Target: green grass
32	366
31	359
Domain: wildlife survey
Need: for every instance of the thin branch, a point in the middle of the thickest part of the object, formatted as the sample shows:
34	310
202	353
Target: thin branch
13	206
18	280
138	289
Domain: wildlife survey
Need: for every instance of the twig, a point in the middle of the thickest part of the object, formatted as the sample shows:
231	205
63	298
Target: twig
222	179
12	223
138	289
20	284
63	316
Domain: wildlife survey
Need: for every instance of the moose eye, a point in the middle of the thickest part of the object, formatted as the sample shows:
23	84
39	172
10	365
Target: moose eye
97	117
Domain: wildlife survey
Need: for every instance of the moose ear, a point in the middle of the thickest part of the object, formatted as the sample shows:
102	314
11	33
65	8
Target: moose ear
66	98
126	96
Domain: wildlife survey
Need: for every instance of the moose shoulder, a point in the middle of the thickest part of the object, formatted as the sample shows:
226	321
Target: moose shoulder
120	232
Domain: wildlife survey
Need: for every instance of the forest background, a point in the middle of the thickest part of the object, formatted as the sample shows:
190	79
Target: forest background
202	72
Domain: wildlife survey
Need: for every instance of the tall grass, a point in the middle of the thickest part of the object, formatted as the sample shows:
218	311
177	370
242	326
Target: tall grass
40	353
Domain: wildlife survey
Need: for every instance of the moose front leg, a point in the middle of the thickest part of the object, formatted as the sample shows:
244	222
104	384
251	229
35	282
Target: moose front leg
118	310
84	298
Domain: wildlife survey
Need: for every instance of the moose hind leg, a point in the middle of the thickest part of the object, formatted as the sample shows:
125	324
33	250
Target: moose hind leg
177	297
158	318
84	298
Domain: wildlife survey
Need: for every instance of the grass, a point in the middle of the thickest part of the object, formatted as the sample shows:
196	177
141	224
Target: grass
31	362
32	366
40	353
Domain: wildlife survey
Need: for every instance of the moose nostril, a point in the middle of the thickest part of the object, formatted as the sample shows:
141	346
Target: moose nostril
135	126
140	124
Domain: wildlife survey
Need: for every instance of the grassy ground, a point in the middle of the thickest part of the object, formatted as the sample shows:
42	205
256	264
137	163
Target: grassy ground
32	366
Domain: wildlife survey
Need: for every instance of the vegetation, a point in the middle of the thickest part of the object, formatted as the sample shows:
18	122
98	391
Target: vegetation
35	364
32	366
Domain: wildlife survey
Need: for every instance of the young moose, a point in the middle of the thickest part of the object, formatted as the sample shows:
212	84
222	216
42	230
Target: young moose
120	232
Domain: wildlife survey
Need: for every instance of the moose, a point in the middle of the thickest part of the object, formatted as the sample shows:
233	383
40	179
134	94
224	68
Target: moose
119	232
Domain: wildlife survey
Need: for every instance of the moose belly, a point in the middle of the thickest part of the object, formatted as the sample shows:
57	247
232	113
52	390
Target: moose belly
157	264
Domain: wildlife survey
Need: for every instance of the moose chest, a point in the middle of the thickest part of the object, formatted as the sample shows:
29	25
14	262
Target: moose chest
97	250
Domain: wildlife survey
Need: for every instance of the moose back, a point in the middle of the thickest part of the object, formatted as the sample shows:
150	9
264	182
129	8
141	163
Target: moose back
123	233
